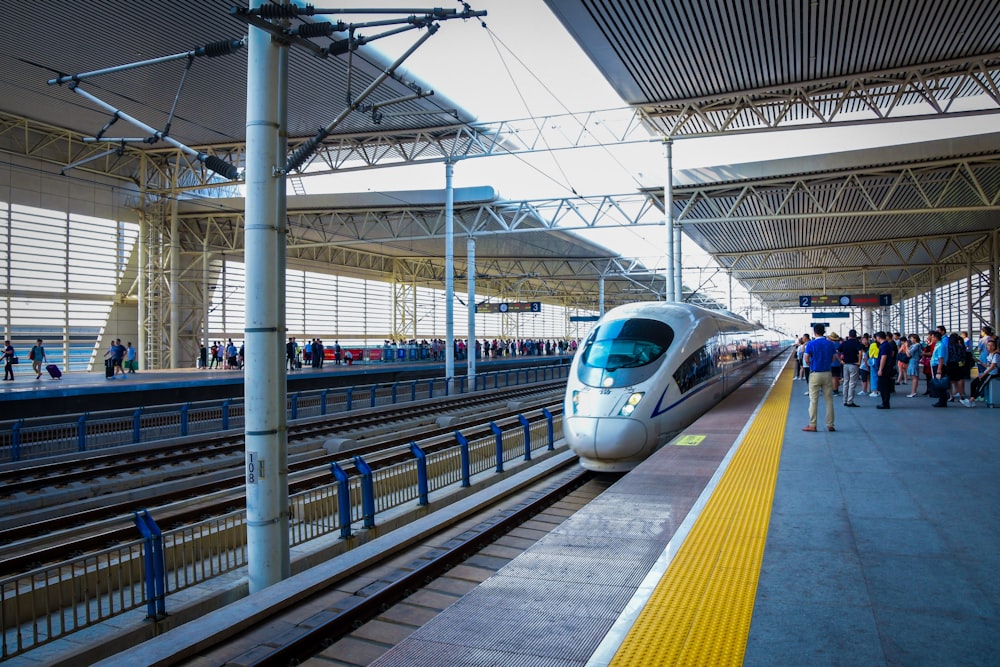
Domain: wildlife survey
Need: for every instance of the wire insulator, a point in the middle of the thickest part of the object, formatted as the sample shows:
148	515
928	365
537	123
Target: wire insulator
222	48
304	152
273	11
220	166
342	46
309	30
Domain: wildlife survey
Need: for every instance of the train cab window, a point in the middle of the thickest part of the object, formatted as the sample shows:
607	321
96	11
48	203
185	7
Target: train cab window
627	344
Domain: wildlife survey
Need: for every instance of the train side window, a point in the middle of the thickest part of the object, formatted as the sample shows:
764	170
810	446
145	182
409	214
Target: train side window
700	366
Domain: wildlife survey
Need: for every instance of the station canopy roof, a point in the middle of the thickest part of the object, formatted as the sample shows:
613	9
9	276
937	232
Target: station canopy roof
888	219
899	219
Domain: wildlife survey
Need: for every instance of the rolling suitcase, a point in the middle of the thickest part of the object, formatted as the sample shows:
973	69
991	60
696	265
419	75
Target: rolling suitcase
109	368
54	371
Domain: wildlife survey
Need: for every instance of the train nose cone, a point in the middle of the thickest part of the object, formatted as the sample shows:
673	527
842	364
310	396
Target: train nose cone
604	438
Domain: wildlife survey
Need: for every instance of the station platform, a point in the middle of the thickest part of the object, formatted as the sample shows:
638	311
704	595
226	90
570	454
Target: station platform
747	541
81	392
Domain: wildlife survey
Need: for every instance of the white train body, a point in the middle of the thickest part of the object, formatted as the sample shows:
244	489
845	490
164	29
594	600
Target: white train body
649	369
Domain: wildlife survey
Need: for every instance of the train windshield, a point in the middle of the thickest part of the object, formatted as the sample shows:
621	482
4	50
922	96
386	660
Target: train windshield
627	344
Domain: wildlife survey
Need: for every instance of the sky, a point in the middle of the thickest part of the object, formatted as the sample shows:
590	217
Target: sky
526	65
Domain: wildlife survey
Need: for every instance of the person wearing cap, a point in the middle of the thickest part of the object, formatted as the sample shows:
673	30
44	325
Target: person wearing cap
850	352
885	368
818	356
836	366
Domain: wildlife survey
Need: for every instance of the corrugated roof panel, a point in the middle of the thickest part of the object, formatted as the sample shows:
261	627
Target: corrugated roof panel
664	50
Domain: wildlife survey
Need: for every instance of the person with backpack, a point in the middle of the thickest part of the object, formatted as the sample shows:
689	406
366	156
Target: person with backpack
956	368
939	366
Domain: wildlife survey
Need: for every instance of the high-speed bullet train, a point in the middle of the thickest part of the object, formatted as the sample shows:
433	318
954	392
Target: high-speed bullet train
649	369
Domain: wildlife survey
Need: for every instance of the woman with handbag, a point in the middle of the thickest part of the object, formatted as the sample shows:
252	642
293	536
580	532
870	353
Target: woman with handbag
9	359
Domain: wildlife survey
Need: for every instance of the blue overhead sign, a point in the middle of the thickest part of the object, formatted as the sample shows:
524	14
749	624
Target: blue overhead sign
831	315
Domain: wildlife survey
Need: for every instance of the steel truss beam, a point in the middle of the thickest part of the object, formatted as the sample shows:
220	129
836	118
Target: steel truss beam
892	212
902	267
941	186
896	94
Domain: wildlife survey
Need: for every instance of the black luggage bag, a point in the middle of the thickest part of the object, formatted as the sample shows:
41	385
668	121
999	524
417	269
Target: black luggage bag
109	368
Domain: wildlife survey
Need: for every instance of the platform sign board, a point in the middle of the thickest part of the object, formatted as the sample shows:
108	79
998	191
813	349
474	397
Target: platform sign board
833	315
813	324
813	301
512	307
584	318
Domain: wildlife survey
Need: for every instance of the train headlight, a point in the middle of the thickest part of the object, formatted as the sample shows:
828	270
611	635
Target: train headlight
630	404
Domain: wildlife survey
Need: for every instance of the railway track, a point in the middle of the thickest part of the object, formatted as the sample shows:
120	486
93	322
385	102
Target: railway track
366	608
37	540
33	477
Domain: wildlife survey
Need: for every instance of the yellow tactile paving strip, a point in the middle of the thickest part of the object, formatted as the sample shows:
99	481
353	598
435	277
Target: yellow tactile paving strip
699	613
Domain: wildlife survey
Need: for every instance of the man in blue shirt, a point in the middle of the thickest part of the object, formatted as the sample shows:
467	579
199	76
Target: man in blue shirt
939	362
818	356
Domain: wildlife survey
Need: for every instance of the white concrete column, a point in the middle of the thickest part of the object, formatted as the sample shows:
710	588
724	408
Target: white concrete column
266	437
995	281
470	343
449	275
141	244
206	294
175	287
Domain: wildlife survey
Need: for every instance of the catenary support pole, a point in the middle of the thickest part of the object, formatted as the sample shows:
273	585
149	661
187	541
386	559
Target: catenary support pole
968	296
600	295
449	275
280	263
264	378
470	342
668	219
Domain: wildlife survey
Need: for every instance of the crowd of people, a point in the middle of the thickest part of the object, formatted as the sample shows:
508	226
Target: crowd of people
495	348
222	355
876	364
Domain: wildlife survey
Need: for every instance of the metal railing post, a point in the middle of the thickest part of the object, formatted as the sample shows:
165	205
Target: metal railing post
430	388
322	401
421	472
374	387
156	576
15	440
548	418
395	390
81	433
295	405
527	436
225	415
343	499
498	434
137	426
350	398
184	418
463	444
367	492
413	391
